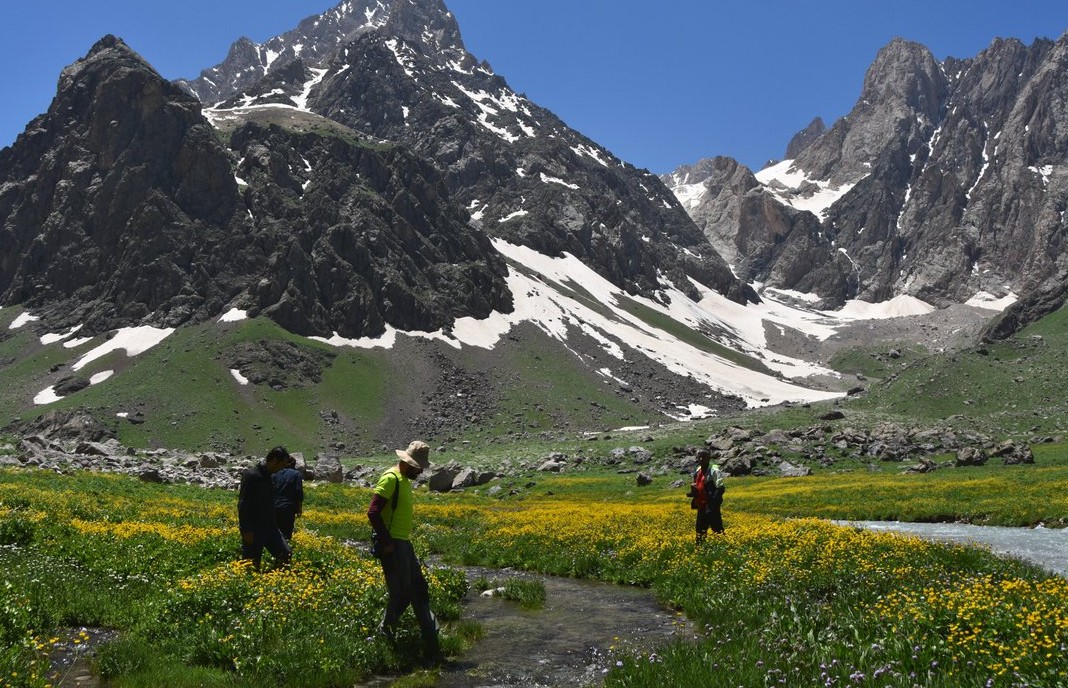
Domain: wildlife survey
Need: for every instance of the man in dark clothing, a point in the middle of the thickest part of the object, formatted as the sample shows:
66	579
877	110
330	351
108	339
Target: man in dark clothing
255	511
391	514
288	495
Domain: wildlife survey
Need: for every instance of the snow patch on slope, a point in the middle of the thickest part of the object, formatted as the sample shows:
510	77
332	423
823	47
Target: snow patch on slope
134	340
793	187
545	292
553	293
985	299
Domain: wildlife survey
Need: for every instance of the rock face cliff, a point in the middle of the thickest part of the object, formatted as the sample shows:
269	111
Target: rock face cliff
119	203
947	179
123	205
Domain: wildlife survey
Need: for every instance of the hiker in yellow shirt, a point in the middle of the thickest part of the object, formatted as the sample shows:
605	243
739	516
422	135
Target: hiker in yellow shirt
390	514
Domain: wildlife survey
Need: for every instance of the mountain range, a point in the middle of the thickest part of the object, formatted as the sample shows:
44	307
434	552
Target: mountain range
362	183
945	181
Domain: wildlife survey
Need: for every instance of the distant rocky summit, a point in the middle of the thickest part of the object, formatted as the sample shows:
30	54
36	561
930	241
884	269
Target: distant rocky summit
946	181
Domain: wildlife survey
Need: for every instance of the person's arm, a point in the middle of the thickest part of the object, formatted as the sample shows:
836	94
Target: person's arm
378	524
300	493
244	511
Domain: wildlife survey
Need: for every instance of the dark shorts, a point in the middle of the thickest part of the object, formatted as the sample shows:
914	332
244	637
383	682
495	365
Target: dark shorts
710	518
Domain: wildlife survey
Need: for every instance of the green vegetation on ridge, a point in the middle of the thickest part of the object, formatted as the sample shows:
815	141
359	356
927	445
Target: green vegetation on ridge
1015	386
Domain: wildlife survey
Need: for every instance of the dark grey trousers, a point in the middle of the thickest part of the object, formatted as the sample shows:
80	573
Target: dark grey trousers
407	585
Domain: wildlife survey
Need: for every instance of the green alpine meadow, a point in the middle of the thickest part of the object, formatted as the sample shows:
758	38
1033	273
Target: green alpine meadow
347	364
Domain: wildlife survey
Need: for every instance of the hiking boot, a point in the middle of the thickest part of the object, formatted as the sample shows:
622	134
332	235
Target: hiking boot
433	659
386	633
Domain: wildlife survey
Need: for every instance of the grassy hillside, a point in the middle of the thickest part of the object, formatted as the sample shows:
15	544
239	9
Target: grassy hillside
1012	387
308	395
533	392
186	395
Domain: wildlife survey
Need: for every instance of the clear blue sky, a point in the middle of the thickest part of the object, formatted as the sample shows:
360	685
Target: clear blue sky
658	83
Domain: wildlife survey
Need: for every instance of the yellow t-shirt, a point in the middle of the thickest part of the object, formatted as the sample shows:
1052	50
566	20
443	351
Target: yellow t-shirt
400	521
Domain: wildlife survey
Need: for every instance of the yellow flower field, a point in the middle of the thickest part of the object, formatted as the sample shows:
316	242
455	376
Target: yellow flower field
798	599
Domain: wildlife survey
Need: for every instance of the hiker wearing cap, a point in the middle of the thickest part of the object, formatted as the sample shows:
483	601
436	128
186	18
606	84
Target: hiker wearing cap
390	515
707	489
255	511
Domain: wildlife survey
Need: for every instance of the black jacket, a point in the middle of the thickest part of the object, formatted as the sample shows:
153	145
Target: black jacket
255	500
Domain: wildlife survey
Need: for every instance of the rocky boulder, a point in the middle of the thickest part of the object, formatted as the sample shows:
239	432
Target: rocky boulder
328	467
67	425
971	456
1013	453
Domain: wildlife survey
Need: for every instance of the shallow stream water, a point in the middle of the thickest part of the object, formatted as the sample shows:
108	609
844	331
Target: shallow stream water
567	642
1047	547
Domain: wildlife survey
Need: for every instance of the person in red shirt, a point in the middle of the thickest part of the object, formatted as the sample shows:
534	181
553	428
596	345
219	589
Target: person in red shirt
707	489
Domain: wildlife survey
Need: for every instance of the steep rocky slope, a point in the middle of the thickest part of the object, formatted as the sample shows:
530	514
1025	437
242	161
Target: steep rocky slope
946	180
122	205
399	71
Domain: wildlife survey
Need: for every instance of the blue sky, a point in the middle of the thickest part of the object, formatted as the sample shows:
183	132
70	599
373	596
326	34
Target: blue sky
658	83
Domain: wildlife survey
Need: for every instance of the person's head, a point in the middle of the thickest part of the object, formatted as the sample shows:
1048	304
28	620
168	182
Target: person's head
703	456
414	459
277	459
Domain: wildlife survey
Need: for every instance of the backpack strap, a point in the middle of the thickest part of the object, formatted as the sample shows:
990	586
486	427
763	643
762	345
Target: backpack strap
396	490
394	499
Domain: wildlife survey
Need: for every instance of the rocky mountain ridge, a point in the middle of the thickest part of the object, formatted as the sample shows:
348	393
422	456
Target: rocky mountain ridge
946	180
380	75
317	37
122	205
522	174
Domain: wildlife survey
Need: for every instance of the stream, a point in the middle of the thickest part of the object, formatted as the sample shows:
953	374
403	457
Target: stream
565	643
1046	547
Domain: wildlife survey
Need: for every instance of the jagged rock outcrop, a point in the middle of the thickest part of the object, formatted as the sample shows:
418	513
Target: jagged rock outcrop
947	179
901	101
316	39
118	205
1029	309
804	138
122	205
763	239
373	237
